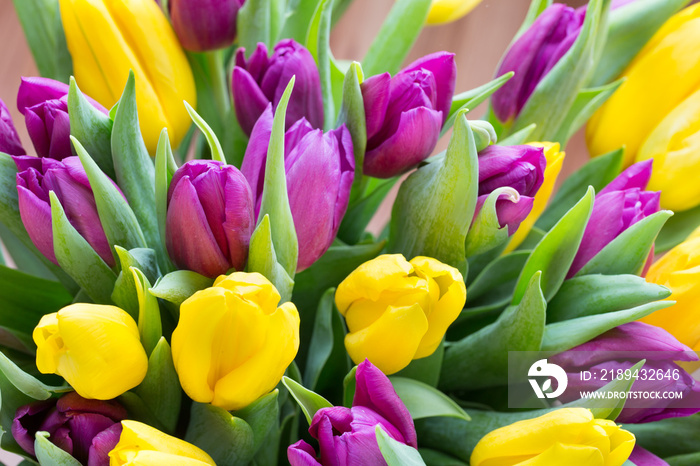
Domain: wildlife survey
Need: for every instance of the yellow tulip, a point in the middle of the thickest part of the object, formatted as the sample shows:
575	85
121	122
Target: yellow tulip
232	343
446	11
555	159
95	348
655	113
107	38
568	436
397	311
142	445
679	270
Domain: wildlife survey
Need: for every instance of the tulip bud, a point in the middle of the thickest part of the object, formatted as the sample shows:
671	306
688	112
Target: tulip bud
658	347
86	429
210	218
9	139
204	25
261	80
446	11
621	204
240	351
327	159
519	167
106	39
44	104
397	311
565	436
67	179
96	348
405	113
141	444
347	436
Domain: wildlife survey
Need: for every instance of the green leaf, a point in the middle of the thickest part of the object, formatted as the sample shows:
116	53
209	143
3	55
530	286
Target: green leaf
360	212
260	21
519	137
435	205
677	229
485	232
396	453
596	173
536	8
469	100
561	336
662	439
422	400
691	459
91	126
150	327
49	454
628	253
262	417
217	153
352	115
262	258
160	389
437	458
78	259
321	343
164	171
299	15
555	253
177	286
275	201
349	385
25	383
124	294
309	401
599	294
480	360
227	439
426	370
317	42
396	36
41	22
495	275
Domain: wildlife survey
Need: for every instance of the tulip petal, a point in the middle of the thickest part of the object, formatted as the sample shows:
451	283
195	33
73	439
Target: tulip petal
570	455
9	139
84	427
36	217
248	100
442	65
27	421
376	91
636	176
102	444
641	456
302	454
253	166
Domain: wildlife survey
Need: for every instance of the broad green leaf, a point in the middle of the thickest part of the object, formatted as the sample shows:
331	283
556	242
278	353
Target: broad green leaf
78	259
349	385
299	16
470	99
150	327
599	294
260	21
438	458
485	232
262	258
24	259
561	336
164	171
352	115
177	286
25	383
691	459
160	389
555	253
361	211
662	437
321	343
677	229
317	42
519	137
49	454
228	439
422	400
396	453
498	276
309	401
426	370
124	294
139	410
396	36
262	417
217	153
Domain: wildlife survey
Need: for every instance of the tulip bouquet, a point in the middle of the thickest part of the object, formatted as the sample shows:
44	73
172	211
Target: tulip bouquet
188	277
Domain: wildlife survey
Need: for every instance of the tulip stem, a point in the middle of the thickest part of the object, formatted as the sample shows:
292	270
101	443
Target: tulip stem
219	82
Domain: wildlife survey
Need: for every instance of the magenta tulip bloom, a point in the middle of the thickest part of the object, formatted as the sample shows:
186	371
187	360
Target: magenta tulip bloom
67	179
621	204
405	113
86	429
519	167
210	218
9	139
347	436
44	104
620	349
261	80
642	457
203	25
320	168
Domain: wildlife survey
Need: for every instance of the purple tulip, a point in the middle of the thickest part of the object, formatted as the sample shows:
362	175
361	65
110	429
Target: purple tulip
620	349
9	139
203	25
519	167
347	436
67	179
261	80
405	113
44	104
86	429
620	205
320	169
210	218
642	457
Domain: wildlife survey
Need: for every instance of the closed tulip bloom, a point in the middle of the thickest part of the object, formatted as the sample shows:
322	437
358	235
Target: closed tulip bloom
568	436
143	445
36	177
106	39
319	167
446	11
665	77
9	139
555	160
210	218
262	79
44	104
347	436
85	429
232	343
621	204
204	25
96	348
397	311
405	113
620	349
519	167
